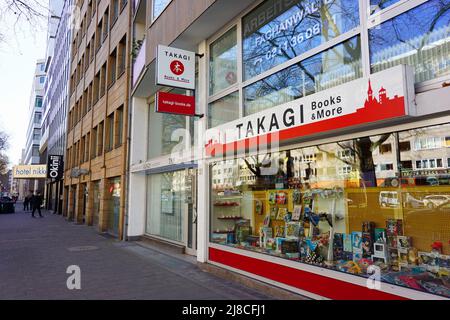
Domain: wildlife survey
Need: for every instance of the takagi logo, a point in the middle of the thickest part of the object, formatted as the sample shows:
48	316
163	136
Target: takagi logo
177	67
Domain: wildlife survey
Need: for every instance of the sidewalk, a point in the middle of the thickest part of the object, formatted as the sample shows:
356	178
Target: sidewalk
35	254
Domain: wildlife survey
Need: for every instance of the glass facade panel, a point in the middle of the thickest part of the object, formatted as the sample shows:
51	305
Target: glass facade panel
377	5
278	31
223	110
330	68
425	46
165	209
114	205
167	131
333	206
223	62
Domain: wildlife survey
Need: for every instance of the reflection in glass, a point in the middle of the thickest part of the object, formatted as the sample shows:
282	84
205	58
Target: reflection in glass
330	68
158	7
223	110
277	31
419	38
377	5
344	206
223	62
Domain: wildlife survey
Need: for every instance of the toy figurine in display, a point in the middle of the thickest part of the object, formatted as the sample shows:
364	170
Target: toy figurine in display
364	264
281	198
380	235
394	227
266	221
412	256
279	231
350	267
347	241
403	243
338	246
297	197
292	230
258	207
357	245
297	213
272	197
273	213
437	247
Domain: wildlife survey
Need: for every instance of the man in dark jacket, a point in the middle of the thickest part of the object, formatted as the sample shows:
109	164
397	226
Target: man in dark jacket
36	203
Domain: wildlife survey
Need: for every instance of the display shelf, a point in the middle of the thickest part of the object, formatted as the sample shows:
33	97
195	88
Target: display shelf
224	231
223	205
229	218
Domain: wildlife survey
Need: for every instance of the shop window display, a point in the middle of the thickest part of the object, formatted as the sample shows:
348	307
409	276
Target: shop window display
295	205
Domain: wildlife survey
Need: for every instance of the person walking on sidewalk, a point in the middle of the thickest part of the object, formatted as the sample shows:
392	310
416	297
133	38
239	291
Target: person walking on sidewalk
36	203
26	203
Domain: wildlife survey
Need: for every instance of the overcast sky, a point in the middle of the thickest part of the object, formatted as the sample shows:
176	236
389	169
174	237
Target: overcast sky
19	51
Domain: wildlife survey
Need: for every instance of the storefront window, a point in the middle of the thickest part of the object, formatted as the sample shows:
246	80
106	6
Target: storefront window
223	62
114	205
166	200
330	68
167	131
424	46
223	110
377	5
278	31
345	206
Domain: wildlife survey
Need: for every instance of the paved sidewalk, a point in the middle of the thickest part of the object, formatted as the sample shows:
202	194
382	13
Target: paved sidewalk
35	254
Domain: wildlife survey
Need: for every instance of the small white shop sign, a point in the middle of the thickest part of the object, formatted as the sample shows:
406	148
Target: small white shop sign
384	95
175	68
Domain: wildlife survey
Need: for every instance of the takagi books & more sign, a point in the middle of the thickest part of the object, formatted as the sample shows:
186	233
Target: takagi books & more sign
383	96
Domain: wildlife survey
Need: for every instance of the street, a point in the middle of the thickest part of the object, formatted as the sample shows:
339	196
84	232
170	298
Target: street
35	254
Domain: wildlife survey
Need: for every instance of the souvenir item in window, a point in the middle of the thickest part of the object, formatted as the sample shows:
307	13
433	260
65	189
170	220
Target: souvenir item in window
307	214
412	256
282	212
297	197
308	202
258	207
273	213
279	242
338	246
289	246
347	240
315	231
429	261
266	221
364	264
394	227
357	245
380	234
367	245
279	231
266	233
270	244
392	242
402	259
243	230
252	240
281	198
403	243
288	217
437	247
303	248
297	213
292	230
230	237
350	267
272	197
393	258
380	252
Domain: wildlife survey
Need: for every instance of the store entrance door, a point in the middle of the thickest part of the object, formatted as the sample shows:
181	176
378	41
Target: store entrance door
191	211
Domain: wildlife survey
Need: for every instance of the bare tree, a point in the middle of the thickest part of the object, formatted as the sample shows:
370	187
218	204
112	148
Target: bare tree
32	12
4	161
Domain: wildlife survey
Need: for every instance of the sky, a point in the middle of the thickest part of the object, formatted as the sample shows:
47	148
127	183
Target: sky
20	49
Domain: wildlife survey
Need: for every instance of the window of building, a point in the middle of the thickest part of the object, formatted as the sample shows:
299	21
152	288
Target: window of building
424	47
119	127
36	134
86	147
223	110
425	143
96	88
105	25
385	148
404	146
35	151
37	117
158	7
122	56
41	79
112	67
276	32
82	150
288	224
98	35
109	138
94	143
223	62
330	68
102	88
114	12
38	102
100	139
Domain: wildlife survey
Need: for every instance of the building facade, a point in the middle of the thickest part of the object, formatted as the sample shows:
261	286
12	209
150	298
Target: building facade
323	155
33	135
96	147
56	98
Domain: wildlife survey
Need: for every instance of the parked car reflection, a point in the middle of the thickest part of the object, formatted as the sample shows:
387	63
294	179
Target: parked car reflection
6	205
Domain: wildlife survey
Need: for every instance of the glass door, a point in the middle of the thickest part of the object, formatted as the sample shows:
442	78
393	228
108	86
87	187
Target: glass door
191	211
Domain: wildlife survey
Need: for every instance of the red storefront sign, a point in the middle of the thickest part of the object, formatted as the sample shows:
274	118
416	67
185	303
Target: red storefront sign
175	103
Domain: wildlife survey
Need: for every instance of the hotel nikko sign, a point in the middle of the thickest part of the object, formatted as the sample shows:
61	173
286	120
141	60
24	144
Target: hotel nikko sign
34	171
383	96
175	68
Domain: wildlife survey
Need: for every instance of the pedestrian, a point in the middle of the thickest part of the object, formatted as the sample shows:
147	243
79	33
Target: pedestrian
36	203
26	203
